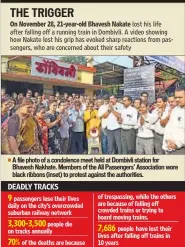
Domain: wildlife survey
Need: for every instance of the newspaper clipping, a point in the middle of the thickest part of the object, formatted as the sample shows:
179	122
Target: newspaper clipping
92	124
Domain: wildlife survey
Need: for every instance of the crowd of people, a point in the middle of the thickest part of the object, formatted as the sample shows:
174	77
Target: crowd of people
62	123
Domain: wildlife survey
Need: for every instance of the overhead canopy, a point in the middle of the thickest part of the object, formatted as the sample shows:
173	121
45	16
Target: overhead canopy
170	61
108	73
41	80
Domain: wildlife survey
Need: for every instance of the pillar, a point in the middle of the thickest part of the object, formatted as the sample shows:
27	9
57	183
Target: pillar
48	88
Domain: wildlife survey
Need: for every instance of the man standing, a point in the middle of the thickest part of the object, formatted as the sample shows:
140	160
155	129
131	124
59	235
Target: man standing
101	112
77	130
174	134
129	120
64	127
145	136
162	115
113	116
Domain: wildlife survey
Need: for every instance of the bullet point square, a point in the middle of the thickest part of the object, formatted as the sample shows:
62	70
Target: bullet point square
9	160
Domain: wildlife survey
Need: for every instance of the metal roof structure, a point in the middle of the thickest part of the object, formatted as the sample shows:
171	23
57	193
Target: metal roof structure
108	73
159	66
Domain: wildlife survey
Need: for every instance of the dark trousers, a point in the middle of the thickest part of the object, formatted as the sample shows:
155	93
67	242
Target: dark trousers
64	145
158	143
104	141
69	144
128	141
114	141
77	142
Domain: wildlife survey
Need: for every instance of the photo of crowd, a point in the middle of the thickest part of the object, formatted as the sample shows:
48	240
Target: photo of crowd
80	124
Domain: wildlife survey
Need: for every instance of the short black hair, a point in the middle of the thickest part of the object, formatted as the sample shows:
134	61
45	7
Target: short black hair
113	95
144	93
138	99
62	101
106	97
171	95
180	88
144	103
40	107
128	97
164	97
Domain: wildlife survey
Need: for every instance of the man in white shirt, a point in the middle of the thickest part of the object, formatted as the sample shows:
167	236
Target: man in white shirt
129	120
174	134
162	115
145	136
113	116
103	108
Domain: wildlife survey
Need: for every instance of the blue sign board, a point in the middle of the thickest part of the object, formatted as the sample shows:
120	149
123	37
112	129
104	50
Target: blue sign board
171	61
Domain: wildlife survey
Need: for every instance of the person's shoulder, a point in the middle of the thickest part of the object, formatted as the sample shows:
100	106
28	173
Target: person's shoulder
14	117
48	114
95	111
150	115
132	108
119	105
13	120
154	112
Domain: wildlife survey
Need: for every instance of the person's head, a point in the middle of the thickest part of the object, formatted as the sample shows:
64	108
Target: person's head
73	95
53	105
113	99
51	98
36	94
12	103
65	95
3	92
63	106
120	100
77	106
34	108
5	105
28	95
26	107
43	96
90	105
99	102
14	95
20	96
57	94
162	101
41	111
180	95
144	96
137	103
70	104
29	91
143	108
105	99
39	99
34	100
70	98
127	101
172	101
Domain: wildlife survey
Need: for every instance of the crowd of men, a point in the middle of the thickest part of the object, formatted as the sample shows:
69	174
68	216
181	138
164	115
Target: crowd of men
62	124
